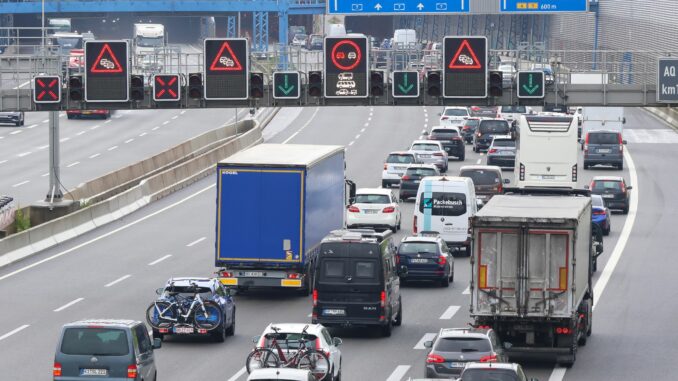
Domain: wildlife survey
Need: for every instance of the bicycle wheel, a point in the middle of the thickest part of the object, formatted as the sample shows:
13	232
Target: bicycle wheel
317	362
209	318
261	358
157	314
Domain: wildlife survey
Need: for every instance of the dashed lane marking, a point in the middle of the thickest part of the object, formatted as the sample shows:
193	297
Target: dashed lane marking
427	337
95	155
159	260
197	241
449	313
14	331
72	302
21	183
118	280
467	291
398	373
73	164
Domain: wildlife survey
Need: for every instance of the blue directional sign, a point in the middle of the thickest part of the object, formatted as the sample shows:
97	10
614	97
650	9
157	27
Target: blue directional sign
543	6
389	7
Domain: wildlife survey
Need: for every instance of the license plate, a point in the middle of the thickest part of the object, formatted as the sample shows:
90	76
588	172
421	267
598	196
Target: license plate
334	312
424	156
94	372
416	181
419	260
606	150
371	211
608	196
399	168
183	330
548	177
457	364
253	273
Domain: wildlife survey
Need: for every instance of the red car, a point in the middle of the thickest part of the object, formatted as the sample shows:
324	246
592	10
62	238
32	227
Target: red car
103	114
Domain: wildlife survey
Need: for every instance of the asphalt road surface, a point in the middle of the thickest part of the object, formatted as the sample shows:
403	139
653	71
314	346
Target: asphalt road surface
174	237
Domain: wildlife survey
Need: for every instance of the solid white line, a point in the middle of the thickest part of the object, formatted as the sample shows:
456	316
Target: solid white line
45	174
21	183
159	260
175	116
78	300
15	132
165	122
24	154
129	140
142	134
238	374
3	161
91	241
64	140
398	373
449	313
32	126
81	132
118	280
351	143
302	127
427	337
467	291
559	373
196	241
43	147
156	127
112	148
73	164
12	332
95	155
478	161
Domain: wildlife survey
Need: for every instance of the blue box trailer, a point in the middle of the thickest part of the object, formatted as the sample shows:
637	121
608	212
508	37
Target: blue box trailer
275	203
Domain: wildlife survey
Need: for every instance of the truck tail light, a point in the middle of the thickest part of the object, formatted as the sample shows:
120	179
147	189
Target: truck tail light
621	143
315	298
382	299
353	209
491	358
293	276
388	209
522	172
563	331
574	173
56	370
226	274
132	371
434	359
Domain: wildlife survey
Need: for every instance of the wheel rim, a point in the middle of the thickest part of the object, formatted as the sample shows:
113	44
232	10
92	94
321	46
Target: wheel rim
154	318
316	363
260	360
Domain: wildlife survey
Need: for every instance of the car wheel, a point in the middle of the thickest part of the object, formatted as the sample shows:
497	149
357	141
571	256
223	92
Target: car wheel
452	276
621	166
219	334
17	124
626	210
393	228
386	329
399	319
445	282
607	231
231	330
155	376
462	157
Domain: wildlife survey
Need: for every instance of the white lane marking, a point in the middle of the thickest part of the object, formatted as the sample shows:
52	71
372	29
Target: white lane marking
43	147
129	140
45	174
182	112
22	85
362	130
302	127
12	332
558	373
73	164
108	121
118	280
427	337
78	300
32	126
81	132
159	260
398	373
371	108
156	127
15	132
369	119
3	161
24	154
478	161
367	124
351	143
467	291
424	130
45	121
95	239
112	148
95	127
95	155
175	116
357	137
449	313
64	140
142	134
21	183
165	122
238	374
197	241
426	120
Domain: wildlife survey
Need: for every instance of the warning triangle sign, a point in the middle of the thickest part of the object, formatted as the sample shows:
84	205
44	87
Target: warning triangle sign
226	60
465	58
106	62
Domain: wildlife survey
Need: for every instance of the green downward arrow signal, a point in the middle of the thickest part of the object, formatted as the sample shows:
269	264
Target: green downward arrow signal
287	89
532	88
404	87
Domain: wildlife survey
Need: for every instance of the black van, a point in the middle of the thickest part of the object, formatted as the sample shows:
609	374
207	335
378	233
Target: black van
356	281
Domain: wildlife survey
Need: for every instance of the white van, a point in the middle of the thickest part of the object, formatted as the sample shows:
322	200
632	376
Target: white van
404	39
444	204
336	30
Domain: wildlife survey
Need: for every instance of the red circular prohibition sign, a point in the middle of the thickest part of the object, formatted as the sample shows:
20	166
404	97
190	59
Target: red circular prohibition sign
357	50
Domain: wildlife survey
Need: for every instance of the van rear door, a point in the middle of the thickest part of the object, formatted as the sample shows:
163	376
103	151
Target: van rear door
444	212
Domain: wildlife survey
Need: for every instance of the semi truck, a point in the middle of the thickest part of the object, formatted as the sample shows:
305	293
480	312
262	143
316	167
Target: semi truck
531	273
275	203
148	37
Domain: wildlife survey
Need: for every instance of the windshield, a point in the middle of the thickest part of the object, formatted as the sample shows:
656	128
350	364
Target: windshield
69	42
489	375
504	143
597	201
460	344
94	341
494	127
402	159
514	109
444	134
425	147
443	203
482	177
456	112
317	40
418	248
150	42
421	172
372	199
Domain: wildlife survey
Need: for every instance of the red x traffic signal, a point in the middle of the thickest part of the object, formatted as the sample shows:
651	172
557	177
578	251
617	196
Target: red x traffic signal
166	87
47	89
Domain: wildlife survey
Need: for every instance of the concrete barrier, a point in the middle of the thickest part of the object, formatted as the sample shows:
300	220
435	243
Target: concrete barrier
666	113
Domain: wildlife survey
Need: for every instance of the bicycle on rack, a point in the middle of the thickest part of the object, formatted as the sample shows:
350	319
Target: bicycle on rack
273	355
179	309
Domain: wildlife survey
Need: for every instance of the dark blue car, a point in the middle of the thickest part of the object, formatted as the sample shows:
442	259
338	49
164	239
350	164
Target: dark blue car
600	213
425	257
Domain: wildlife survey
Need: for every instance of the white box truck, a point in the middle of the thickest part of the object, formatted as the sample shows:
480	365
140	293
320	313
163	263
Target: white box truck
602	118
531	274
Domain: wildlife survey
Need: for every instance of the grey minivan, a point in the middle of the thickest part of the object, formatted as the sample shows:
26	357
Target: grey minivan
110	349
604	147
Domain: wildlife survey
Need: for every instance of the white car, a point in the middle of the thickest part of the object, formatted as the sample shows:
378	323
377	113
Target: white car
454	116
374	208
430	152
299	39
288	340
395	166
282	374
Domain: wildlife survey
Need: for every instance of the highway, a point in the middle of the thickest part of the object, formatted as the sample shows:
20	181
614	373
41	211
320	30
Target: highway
108	273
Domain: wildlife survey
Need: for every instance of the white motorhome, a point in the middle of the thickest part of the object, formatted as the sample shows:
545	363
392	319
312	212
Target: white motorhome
444	204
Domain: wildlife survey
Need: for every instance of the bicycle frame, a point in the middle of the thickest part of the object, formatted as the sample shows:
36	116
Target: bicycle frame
197	300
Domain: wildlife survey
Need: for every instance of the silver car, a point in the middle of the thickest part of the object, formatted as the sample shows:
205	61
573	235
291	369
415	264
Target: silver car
430	152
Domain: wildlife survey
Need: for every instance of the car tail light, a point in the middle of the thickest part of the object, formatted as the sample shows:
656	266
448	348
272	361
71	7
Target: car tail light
56	370
593	183
315	298
132	371
202	331
586	144
319	348
405	177
522	172
388	209
563	331
442	260
293	276
491	358
353	209
434	359
598	212
443	118
226	274
493	150
483	327
623	187
382	299
437	154
414	225
574	173
385	166
163	330
478	134
621	143
500	188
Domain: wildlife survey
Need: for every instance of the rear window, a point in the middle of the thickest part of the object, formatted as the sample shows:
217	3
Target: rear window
425	147
402	159
489	374
514	109
420	172
418	247
444	134
602	185
91	341
481	176
456	112
363	270
494	127
372	199
463	344
472	122
443	204
597	201
288	340
603	138
504	143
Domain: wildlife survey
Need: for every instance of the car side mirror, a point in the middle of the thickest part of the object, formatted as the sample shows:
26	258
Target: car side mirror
157	343
629	187
507	181
428	344
160	290
255	339
624	142
337	341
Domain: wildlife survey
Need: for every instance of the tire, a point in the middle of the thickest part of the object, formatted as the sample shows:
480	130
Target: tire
399	320
452	276
625	210
212	319
445	282
393	228
153	315
475	149
595	264
230	331
261	358
462	157
386	329
607	231
219	334
318	363
155	376
17	124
